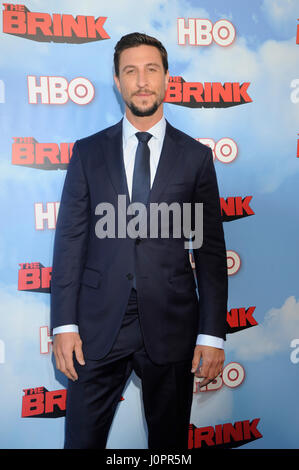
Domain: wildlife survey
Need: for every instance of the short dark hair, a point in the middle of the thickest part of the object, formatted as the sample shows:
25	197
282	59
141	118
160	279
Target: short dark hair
138	39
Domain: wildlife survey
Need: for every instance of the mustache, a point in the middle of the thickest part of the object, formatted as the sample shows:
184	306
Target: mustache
145	90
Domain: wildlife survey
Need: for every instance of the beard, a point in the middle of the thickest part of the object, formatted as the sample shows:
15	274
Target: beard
144	112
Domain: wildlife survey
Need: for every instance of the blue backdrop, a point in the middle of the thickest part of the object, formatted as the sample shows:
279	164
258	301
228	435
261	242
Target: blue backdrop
254	404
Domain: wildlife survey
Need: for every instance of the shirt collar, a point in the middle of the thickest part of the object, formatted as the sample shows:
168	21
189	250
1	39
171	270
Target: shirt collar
157	131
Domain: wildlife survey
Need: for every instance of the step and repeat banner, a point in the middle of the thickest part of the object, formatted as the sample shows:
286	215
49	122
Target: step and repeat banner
234	85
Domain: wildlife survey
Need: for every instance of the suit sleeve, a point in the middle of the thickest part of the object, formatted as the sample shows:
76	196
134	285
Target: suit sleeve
210	259
70	243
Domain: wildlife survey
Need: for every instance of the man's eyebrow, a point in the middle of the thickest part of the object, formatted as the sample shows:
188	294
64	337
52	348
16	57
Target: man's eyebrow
153	64
150	64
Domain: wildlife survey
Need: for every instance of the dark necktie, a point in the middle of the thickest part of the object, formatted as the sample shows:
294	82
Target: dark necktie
142	174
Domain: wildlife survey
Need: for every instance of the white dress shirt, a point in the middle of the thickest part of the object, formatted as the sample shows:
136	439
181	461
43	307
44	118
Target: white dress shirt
130	143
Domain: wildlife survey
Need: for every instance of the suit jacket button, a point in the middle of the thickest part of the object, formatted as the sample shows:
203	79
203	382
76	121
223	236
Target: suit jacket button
130	276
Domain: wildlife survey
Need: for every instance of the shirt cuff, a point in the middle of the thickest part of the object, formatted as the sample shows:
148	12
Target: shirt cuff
208	340
66	329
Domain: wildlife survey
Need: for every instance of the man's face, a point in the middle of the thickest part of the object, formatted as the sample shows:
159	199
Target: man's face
142	80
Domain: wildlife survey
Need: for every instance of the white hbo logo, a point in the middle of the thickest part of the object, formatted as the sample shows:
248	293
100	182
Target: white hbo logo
294	357
202	32
233	262
81	90
232	376
225	149
295	93
57	90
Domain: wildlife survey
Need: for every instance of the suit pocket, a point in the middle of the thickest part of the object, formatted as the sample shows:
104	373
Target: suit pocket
91	278
178	196
184	186
183	281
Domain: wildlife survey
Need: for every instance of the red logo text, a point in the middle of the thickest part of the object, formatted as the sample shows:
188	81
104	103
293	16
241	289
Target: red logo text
43	27
206	95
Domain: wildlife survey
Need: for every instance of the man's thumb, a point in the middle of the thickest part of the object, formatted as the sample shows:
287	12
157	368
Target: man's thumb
79	354
195	362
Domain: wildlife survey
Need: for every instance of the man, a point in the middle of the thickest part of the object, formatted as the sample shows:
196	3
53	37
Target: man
121	303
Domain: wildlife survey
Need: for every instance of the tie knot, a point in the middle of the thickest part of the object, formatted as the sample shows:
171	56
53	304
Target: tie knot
143	136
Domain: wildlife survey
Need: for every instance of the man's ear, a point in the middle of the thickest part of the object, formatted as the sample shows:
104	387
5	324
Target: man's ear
116	80
166	79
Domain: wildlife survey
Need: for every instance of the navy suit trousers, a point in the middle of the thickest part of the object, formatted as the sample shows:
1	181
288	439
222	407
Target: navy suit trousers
166	390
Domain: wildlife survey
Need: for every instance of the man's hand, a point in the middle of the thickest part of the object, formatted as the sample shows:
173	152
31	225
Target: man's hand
64	345
212	363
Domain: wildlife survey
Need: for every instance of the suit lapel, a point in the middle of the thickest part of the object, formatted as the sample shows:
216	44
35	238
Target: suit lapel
169	159
113	154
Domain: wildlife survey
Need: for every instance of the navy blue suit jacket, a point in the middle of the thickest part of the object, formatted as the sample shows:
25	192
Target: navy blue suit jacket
92	277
